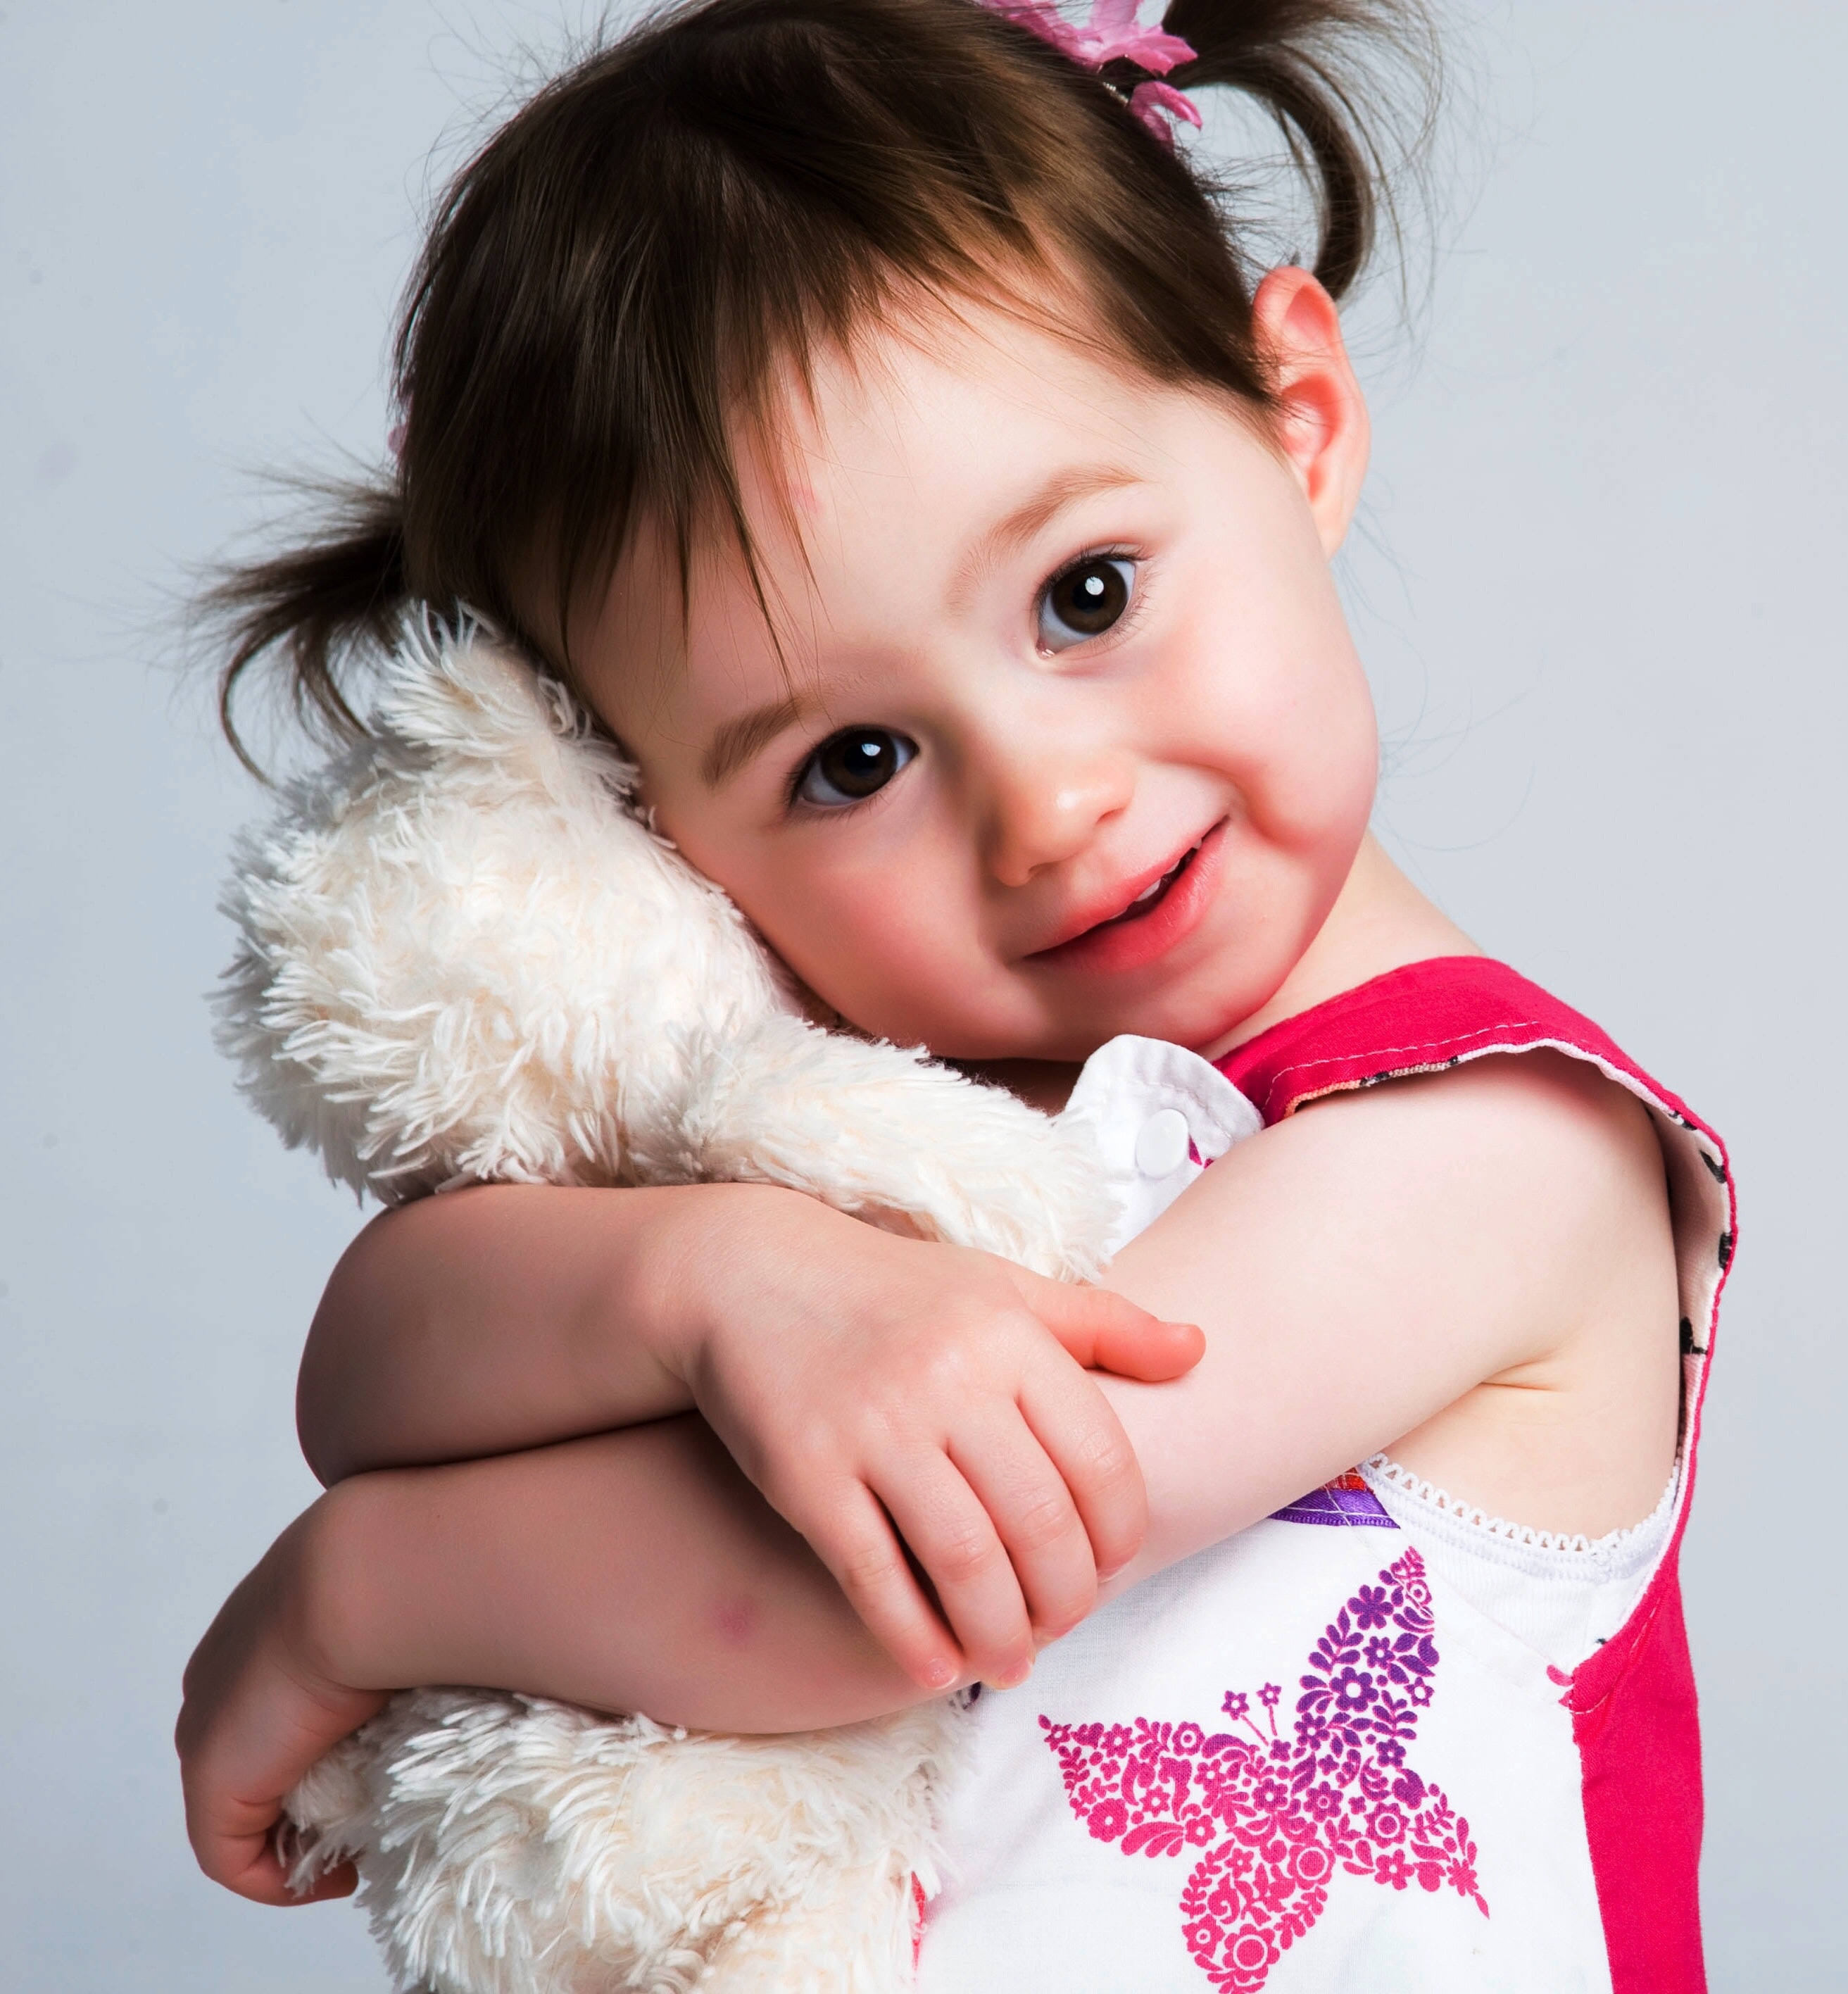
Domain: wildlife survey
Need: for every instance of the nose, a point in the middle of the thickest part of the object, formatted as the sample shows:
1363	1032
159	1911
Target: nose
1045	807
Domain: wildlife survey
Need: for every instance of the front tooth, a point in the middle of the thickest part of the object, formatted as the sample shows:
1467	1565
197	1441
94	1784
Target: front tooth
1149	892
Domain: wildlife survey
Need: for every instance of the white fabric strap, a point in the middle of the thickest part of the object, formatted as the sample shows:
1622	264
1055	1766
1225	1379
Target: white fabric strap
1159	1115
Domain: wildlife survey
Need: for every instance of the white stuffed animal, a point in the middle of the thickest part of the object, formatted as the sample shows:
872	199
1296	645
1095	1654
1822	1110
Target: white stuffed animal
463	956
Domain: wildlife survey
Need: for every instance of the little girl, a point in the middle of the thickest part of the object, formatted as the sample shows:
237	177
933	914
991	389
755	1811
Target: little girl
862	403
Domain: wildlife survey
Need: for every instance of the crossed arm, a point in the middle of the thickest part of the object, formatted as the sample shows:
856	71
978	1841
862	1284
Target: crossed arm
1466	1270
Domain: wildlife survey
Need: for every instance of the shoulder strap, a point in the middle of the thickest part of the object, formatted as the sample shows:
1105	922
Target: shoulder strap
1420	1018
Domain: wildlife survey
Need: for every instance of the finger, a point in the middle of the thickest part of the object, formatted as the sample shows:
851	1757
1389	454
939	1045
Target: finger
947	1530
238	1760
232	1836
1107	1331
235	1841
859	1545
1085	1441
1034	1515
249	1864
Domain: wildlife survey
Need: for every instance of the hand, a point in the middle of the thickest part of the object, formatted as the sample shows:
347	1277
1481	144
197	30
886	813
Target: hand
891	1396
259	1708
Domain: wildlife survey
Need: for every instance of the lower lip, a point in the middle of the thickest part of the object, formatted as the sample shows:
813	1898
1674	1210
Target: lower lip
1113	946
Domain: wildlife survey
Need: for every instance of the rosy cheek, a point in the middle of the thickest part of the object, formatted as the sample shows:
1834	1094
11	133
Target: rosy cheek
859	932
1305	753
868	946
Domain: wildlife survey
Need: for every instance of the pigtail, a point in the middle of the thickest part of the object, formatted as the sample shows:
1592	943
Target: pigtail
309	618
1321	69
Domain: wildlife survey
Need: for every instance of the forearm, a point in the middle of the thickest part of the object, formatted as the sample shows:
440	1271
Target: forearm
501	1318
1301	1378
629	1571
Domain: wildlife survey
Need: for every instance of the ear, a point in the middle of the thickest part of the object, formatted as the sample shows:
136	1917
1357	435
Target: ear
1321	425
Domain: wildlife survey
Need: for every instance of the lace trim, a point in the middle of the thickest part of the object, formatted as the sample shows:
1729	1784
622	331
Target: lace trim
1383	1468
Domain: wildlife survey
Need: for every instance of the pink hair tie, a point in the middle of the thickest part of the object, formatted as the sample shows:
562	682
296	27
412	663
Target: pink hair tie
1113	33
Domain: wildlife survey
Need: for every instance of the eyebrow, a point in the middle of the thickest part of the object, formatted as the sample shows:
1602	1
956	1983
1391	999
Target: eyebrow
1066	489
738	740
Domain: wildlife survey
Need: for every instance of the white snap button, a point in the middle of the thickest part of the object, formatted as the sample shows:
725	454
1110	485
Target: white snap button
1162	1143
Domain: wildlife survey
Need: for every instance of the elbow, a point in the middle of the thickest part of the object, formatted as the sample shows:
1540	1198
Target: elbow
330	1459
324	1433
330	1421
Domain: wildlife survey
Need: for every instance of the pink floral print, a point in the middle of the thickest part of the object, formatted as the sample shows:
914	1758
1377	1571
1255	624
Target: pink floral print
1274	1818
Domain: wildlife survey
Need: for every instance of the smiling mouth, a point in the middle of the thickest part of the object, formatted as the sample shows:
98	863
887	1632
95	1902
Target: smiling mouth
1151	897
1100	945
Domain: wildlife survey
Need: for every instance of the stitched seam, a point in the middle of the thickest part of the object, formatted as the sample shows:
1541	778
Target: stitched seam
1617	1680
1389	1052
1390	1471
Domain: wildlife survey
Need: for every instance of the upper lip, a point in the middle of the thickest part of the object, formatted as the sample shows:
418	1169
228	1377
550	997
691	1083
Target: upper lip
1122	897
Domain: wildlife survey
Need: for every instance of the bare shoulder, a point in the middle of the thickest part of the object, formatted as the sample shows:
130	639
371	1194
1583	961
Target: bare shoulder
1539	1146
1561	1136
1548	1181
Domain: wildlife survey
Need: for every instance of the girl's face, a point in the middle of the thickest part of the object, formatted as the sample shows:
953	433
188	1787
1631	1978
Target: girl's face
1066	735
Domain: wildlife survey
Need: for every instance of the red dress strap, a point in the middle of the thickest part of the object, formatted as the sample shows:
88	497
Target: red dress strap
1633	1705
1420	1019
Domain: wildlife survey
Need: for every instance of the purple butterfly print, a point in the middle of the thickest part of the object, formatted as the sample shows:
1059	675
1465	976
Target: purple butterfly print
1276	1818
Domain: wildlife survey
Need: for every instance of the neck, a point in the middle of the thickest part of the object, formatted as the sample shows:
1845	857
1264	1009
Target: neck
1379	921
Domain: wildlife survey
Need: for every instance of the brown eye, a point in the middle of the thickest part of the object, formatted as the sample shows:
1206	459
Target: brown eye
1085	600
851	765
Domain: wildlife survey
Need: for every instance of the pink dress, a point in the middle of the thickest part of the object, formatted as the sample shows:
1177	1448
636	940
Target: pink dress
1379	1740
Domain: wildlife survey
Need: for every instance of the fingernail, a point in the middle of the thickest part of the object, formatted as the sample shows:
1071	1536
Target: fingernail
939	1674
1011	1678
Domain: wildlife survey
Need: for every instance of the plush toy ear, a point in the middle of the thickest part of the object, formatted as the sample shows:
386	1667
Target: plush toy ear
462	956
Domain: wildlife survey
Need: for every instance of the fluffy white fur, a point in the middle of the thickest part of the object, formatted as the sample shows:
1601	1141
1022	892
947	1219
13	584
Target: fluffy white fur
462	956
510	1845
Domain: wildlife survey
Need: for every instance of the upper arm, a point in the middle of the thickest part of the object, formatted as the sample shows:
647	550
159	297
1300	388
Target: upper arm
1371	1264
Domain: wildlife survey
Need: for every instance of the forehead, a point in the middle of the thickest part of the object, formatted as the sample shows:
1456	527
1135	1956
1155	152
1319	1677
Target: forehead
941	402
912	444
875	483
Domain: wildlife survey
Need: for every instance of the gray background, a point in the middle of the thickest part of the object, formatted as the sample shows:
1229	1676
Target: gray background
1598	588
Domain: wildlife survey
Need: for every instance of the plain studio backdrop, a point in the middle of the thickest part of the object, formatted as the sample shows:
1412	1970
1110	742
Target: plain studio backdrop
1598	583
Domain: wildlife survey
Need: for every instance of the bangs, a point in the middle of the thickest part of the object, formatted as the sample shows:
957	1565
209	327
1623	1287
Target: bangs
705	214
625	280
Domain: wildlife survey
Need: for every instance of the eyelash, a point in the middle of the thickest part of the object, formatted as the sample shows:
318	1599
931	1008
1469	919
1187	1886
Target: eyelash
1131	618
793	805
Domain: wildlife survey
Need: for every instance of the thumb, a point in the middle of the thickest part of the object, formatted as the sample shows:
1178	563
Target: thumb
1107	1331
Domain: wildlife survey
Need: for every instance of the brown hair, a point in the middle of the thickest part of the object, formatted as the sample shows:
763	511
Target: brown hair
609	286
